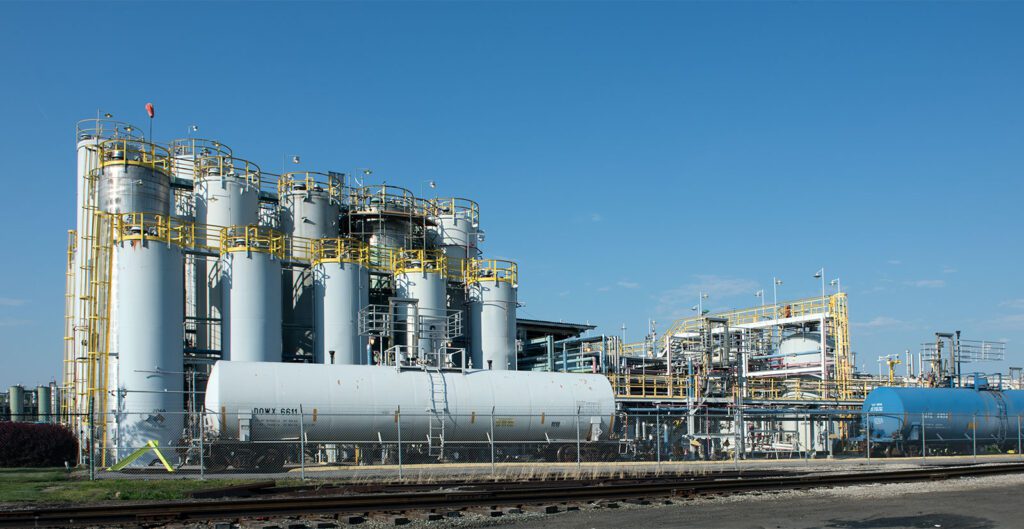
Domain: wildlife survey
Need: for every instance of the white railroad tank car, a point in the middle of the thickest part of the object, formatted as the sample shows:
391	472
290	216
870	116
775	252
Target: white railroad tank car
356	403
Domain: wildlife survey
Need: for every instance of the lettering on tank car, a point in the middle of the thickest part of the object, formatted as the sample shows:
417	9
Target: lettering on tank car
504	422
275	411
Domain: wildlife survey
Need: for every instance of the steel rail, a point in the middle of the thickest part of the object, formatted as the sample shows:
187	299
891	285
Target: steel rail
476	495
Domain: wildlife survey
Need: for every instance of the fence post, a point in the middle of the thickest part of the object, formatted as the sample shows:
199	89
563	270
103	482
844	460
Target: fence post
867	448
398	420
302	444
658	422
202	434
578	462
92	439
493	471
924	439
974	436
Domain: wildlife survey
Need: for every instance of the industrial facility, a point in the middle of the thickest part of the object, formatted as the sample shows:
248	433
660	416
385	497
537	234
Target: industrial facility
208	299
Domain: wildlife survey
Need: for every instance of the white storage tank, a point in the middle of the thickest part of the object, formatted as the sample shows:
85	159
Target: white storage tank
492	307
422	275
16	403
44	410
147	340
358	403
310	205
251	287
341	289
185	156
803	348
226	194
134	177
457	224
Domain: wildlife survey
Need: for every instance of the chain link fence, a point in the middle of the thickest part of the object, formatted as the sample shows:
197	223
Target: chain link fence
399	444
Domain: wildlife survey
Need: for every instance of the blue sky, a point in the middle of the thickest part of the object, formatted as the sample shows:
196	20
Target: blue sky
626	155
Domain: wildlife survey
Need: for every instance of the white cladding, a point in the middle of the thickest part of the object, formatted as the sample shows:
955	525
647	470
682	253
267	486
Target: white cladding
251	287
457	234
358	403
220	201
492	310
429	289
340	291
148	345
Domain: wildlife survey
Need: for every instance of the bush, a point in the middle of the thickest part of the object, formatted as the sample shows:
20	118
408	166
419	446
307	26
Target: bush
36	445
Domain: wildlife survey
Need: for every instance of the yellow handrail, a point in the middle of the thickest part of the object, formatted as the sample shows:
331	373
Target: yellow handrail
130	151
422	261
154	227
339	250
228	166
496	270
310	181
252	239
460	208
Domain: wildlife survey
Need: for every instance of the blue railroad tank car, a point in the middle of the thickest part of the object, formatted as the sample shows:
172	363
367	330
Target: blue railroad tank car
950	416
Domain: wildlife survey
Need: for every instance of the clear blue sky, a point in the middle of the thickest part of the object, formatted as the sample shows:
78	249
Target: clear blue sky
626	155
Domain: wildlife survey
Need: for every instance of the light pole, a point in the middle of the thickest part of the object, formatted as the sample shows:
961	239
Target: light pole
699	307
775	294
838	284
191	129
295	160
760	294
431	183
820	274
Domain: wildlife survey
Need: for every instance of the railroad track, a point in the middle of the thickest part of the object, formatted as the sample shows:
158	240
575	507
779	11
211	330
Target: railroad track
492	495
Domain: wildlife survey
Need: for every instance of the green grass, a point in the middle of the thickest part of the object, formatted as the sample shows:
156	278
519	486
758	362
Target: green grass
52	485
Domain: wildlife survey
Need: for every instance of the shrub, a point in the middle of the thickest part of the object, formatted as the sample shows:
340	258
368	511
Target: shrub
36	445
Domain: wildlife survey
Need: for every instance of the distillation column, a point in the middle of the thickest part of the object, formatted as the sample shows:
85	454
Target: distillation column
226	194
492	307
310	206
341	281
251	285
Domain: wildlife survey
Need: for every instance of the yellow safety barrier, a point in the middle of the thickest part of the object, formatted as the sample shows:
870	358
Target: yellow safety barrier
131	151
152	227
339	250
252	239
420	261
498	271
151	445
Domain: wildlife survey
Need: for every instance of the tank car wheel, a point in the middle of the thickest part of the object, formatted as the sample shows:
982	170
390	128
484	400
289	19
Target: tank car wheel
217	461
272	460
566	454
243	459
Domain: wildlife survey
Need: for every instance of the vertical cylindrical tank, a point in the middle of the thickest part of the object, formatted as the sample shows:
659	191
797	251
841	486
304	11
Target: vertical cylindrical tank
134	177
492	307
185	156
16	403
226	194
422	275
457	221
44	413
310	204
251	280
341	290
147	341
385	216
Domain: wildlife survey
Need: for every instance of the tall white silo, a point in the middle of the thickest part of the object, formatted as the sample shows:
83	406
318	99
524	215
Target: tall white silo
310	204
492	307
422	275
226	194
147	377
251	288
341	290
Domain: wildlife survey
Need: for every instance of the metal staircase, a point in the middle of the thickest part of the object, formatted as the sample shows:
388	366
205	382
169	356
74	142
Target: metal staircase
438	411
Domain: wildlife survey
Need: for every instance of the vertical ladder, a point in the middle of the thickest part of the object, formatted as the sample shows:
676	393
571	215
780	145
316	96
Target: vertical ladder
438	411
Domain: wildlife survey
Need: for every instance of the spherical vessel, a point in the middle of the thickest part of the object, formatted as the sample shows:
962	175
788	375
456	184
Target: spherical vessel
147	345
359	403
341	290
251	283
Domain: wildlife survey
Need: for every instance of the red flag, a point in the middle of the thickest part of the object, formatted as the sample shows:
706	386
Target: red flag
150	110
